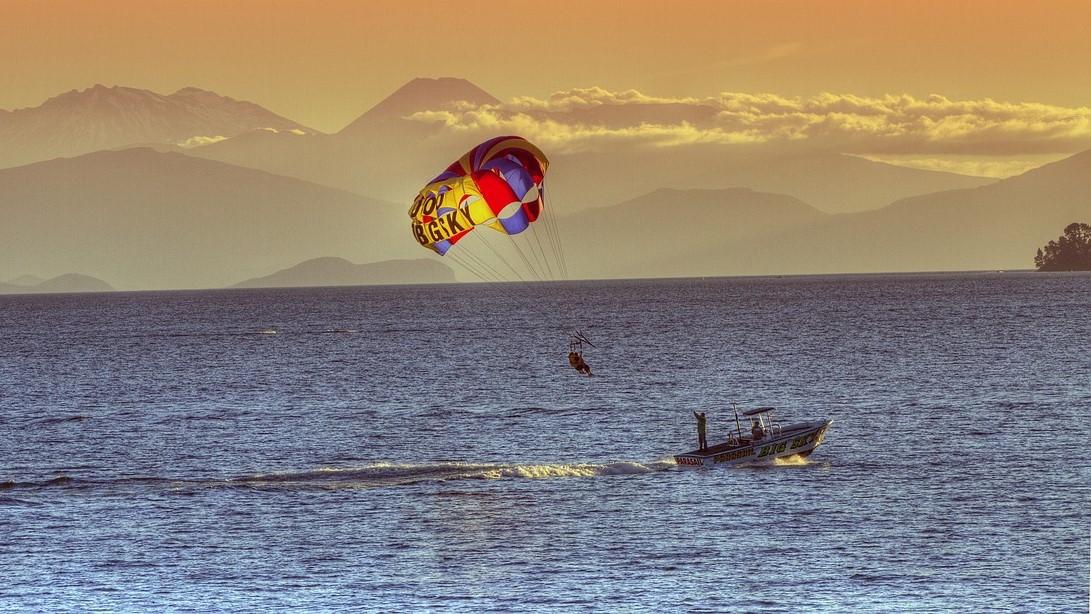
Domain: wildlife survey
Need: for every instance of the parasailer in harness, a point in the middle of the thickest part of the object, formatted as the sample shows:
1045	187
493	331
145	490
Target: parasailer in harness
578	363
575	354
496	188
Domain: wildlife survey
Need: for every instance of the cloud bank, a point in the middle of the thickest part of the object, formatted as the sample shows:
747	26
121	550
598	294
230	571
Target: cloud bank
595	118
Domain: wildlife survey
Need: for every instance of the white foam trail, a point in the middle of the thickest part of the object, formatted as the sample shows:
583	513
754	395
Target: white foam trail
581	470
791	461
390	474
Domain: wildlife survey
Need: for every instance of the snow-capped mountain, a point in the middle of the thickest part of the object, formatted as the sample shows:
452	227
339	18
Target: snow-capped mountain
100	117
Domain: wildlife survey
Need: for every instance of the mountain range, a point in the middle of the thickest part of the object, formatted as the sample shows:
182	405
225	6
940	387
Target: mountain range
387	153
115	182
742	232
331	271
69	282
101	117
143	219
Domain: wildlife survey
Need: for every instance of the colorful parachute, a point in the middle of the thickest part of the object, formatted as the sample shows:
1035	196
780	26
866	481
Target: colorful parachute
496	184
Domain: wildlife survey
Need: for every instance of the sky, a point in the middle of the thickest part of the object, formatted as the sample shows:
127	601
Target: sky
325	63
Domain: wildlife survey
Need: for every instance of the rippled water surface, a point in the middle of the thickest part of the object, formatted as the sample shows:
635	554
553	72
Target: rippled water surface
428	448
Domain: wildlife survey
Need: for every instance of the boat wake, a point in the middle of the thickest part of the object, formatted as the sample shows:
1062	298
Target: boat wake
387	474
791	461
370	476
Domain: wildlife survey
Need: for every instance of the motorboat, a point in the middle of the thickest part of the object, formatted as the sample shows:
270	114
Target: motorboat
765	441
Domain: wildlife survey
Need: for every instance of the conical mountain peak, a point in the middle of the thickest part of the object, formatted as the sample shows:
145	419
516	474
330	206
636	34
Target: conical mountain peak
422	94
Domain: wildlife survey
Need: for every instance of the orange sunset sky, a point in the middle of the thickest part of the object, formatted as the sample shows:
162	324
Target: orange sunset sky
324	63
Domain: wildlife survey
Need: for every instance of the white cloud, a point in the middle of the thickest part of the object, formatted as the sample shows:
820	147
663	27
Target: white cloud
589	118
979	166
583	98
295	131
197	141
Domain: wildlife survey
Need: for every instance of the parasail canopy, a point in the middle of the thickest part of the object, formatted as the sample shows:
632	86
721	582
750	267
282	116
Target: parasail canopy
497	184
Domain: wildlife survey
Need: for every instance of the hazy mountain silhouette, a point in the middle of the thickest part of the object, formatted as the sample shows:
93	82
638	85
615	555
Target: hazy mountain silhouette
330	271
829	181
415	96
380	154
166	220
69	282
148	220
268	200
98	118
651	236
384	155
998	226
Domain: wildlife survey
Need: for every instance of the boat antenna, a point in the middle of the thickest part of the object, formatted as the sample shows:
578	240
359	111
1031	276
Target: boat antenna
737	423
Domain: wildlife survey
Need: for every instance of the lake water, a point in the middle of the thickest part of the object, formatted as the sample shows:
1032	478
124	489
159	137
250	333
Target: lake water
429	449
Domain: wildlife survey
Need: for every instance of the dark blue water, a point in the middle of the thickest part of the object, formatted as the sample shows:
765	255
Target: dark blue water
428	448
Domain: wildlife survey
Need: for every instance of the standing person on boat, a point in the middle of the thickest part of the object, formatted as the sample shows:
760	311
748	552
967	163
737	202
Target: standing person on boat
702	441
757	431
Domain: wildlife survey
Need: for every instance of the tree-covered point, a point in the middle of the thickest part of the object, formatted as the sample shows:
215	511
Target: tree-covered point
1071	252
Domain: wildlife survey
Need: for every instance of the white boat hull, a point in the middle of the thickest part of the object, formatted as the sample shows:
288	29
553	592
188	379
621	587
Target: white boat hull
795	440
